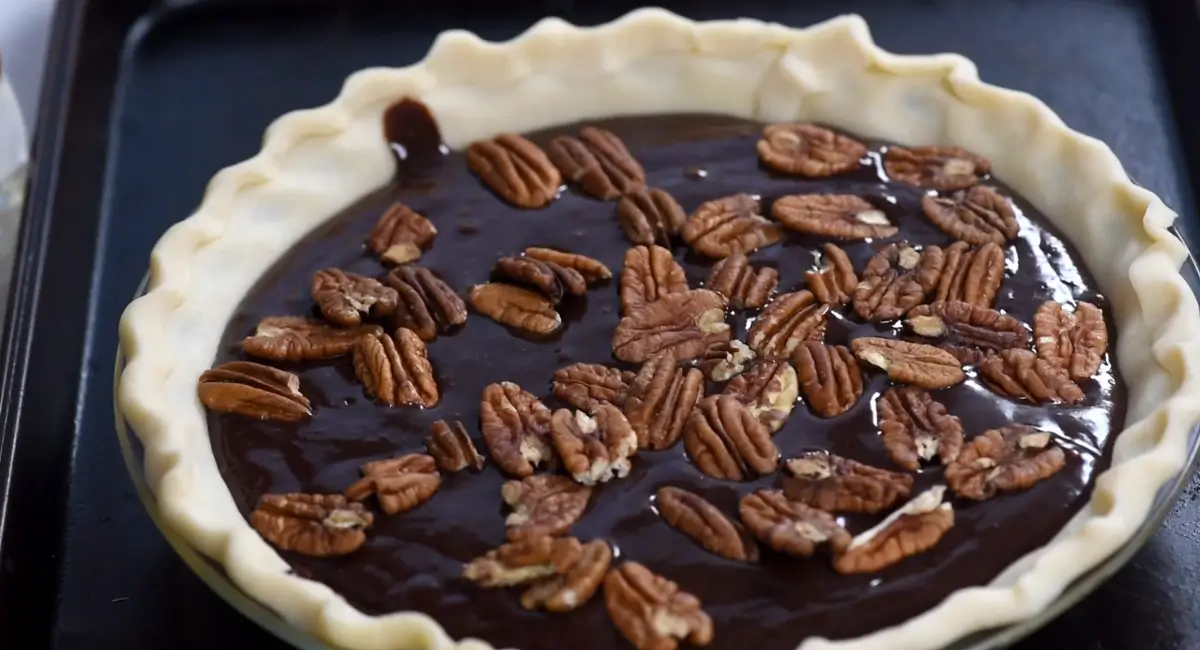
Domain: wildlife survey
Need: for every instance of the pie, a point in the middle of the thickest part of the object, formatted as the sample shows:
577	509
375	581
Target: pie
664	334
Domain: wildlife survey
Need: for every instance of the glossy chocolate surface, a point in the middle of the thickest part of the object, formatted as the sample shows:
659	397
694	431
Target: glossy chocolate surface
413	561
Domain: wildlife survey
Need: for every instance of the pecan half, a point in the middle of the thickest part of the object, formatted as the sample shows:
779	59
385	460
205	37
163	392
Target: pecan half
725	440
296	338
396	370
592	270
916	427
724	361
1023	375
718	228
516	307
516	428
789	320
400	484
401	234
790	526
572	588
660	399
253	390
586	386
913	529
649	273
897	279
971	275
451	446
940	168
977	216
769	388
967	331
547	277
842	216
910	363
835	484
1075	341
835	282
345	298
809	150
594	448
829	377
695	517
565	574
686	323
745	286
317	525
650	216
598	162
543	504
427	305
1009	459
652	612
516	169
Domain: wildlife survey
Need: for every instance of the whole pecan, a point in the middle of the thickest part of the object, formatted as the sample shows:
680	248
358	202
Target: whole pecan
686	323
719	227
586	386
835	484
1075	342
594	448
345	298
564	573
574	587
769	388
516	428
427	305
1023	375
897	279
1012	458
809	150
401	234
253	390
547	277
695	517
592	270
910	363
400	484
652	612
649	273
916	427
660	399
940	168
725	440
835	282
913	529
451	446
543	504
396	370
977	216
516	169
971	275
745	286
516	307
967	331
829	377
598	162
296	338
790	526
841	216
317	525
726	360
650	216
789	320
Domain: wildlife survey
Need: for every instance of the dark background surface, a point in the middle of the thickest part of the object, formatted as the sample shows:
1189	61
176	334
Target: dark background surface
195	89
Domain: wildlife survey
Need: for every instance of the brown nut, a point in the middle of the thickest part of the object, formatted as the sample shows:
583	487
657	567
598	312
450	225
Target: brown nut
841	216
427	305
829	377
770	389
594	448
917	428
1009	459
396	370
451	446
686	323
790	526
650	216
910	363
897	279
660	399
652	612
1023	375
649	273
809	150
253	390
543	504
745	286
940	168
345	298
296	338
598	162
586	386
835	484
565	574
573	587
516	169
725	440
401	234
1075	342
977	216
317	525
552	280
967	331
718	228
695	517
913	529
789	320
971	275
726	360
835	282
516	307
516	428
592	270
400	484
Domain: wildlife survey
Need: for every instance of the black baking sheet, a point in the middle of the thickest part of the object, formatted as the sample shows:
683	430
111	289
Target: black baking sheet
145	102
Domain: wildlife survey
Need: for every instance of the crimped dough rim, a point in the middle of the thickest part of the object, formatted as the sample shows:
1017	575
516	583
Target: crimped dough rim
315	162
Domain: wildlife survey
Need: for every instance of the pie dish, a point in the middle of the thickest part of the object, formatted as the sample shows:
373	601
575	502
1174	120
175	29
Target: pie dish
317	164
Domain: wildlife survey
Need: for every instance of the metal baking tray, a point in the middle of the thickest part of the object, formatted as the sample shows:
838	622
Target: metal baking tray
145	100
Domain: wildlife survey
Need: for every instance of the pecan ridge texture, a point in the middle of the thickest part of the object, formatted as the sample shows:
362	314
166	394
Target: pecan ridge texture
734	223
318	525
253	390
746	286
1074	341
346	298
650	216
660	399
695	517
725	440
652	612
543	504
401	234
841	216
1009	459
835	484
427	305
809	150
917	428
649	273
594	448
298	338
396	369
686	323
400	484
829	377
515	169
598	162
516	428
